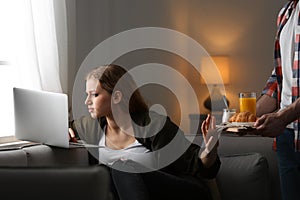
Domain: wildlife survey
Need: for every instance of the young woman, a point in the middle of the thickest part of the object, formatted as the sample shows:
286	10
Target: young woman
147	155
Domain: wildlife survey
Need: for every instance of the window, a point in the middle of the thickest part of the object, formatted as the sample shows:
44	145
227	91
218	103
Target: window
28	52
7	70
6	106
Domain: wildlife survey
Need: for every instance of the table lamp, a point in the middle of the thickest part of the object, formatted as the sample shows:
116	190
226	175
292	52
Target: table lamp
215	73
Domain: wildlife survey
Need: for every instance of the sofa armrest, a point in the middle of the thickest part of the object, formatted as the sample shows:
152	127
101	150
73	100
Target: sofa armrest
43	155
46	156
13	158
244	176
50	183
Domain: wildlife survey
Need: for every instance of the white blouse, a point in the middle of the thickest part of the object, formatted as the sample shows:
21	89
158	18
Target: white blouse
135	152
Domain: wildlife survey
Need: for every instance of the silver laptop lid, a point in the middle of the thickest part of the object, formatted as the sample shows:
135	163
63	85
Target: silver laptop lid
41	116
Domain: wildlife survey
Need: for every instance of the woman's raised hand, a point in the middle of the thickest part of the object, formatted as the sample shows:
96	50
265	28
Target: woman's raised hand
211	140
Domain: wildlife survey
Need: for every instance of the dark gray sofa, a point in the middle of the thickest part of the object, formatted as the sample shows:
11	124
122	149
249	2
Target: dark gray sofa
248	171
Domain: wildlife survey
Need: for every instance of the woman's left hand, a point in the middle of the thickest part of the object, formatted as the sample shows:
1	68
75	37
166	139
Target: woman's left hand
211	140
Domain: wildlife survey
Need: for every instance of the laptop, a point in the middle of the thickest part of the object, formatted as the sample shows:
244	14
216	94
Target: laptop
42	117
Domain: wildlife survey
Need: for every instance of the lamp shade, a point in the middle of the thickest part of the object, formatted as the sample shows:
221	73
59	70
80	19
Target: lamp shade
214	67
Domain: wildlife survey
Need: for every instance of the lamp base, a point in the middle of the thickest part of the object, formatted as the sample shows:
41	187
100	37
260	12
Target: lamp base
218	103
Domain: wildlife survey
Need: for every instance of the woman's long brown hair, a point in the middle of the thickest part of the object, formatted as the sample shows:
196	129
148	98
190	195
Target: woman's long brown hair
109	75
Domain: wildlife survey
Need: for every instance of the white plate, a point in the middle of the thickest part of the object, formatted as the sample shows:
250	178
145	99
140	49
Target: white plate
250	124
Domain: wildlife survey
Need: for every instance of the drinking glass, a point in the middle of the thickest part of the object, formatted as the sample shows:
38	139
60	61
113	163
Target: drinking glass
248	102
227	114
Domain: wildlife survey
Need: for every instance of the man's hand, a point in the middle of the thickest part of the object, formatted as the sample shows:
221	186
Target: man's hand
273	124
270	125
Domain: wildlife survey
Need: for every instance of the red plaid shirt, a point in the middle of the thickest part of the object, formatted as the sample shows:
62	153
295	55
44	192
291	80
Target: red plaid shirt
274	84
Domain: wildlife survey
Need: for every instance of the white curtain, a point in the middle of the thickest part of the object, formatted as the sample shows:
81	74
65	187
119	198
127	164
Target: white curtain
33	38
36	48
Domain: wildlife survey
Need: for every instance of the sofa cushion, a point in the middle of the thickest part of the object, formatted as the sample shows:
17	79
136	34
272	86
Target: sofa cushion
233	144
244	176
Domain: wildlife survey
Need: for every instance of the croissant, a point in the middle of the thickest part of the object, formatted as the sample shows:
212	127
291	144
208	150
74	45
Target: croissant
243	117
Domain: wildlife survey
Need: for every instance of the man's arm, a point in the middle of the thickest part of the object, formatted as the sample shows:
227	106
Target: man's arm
273	124
291	113
265	104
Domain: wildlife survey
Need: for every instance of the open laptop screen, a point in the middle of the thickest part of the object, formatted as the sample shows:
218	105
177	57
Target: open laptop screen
41	116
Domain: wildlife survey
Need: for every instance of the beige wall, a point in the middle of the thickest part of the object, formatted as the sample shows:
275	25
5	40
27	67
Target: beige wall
242	30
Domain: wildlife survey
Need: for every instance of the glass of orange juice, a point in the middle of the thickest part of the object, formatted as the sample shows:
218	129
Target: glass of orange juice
248	102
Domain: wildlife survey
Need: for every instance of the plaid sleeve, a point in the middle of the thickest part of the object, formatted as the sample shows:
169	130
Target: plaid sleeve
271	88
